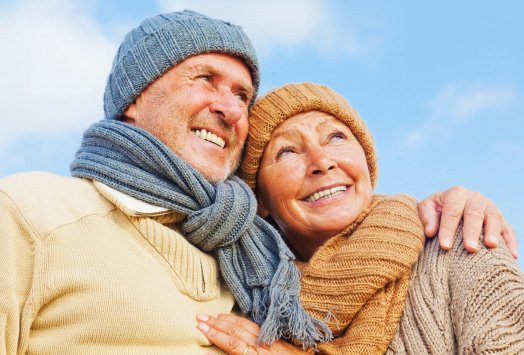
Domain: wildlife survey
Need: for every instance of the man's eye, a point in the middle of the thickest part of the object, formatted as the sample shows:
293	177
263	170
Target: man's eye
206	78
242	97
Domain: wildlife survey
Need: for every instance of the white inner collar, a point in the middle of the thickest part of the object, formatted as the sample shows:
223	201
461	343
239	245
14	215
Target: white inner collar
130	202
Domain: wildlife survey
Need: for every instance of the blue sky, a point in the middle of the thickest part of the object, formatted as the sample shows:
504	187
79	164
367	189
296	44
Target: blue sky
440	84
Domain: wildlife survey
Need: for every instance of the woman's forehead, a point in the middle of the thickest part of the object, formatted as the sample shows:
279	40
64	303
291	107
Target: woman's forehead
310	120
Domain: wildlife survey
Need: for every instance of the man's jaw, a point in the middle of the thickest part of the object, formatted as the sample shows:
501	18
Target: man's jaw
210	128
214	166
215	178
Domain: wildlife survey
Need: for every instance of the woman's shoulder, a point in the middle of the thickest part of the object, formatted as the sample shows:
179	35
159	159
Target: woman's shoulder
461	263
396	211
396	199
476	299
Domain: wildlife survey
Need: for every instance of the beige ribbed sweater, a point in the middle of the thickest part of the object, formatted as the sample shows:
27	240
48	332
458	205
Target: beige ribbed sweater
462	303
84	271
362	276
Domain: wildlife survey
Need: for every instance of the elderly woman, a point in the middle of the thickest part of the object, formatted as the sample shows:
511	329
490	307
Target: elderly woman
365	270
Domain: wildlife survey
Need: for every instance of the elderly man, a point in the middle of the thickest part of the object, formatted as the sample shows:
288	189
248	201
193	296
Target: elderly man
121	257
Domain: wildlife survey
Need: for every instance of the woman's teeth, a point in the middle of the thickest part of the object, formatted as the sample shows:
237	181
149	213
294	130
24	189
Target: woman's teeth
326	193
208	136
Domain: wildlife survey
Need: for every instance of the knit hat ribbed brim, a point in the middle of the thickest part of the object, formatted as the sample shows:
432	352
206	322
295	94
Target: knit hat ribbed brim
289	100
163	41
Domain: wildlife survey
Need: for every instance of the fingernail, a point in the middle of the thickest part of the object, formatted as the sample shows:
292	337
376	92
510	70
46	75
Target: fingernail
473	244
214	315
493	239
202	317
203	327
446	243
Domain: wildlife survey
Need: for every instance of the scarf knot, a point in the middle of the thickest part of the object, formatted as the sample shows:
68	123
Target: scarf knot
227	217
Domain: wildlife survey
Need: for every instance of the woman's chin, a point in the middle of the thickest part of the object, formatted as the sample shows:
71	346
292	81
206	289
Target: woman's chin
334	215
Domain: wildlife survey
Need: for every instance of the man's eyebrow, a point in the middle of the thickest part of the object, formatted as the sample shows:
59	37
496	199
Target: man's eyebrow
206	68
247	88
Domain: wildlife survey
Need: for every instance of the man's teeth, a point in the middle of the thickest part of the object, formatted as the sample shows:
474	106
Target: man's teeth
208	136
326	193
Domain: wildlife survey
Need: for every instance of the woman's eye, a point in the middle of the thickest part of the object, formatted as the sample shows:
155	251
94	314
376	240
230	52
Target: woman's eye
337	135
284	151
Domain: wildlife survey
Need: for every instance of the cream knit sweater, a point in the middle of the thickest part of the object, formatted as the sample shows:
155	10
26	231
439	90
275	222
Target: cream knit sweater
85	270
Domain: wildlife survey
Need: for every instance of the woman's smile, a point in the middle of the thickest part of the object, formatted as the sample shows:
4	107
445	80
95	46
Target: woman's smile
327	195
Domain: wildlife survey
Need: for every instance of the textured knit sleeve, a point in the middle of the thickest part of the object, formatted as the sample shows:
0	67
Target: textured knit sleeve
487	301
463	303
16	270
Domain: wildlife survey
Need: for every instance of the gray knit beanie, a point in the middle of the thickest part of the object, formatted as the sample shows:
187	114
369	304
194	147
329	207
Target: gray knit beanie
163	41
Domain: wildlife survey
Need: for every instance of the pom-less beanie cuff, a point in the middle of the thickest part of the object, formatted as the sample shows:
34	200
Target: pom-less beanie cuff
163	41
289	100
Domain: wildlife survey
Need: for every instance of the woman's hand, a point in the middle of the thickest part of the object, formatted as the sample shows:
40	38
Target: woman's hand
447	209
238	336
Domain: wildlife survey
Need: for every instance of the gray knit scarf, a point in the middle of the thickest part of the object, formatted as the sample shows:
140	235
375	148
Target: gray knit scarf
221	219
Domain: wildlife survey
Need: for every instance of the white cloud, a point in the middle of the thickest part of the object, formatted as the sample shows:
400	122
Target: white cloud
279	25
456	105
461	102
53	66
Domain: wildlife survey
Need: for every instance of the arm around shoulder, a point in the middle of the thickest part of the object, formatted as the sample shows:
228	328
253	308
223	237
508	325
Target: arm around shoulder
487	293
462	303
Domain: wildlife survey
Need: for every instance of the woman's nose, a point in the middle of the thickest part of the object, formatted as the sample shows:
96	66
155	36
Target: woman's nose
320	162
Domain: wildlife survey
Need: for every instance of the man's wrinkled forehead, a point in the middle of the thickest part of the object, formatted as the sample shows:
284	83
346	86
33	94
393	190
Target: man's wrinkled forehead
206	64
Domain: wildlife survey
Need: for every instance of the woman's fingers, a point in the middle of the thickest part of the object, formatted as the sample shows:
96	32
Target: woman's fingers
230	333
238	336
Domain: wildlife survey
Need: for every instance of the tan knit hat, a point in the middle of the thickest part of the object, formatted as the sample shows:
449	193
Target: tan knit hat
289	100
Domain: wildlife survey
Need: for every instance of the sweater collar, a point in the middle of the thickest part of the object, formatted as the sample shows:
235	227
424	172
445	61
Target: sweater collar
132	206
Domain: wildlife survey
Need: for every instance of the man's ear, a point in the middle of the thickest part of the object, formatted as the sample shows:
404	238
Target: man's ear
261	209
131	114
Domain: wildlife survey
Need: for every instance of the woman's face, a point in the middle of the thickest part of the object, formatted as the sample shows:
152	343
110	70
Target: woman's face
313	179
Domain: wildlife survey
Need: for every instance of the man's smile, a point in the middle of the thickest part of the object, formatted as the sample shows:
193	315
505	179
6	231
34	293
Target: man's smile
208	136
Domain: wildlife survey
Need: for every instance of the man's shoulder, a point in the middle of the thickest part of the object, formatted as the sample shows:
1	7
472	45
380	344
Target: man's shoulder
41	186
47	200
31	180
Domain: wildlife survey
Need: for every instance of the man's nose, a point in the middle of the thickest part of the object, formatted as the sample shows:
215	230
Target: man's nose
320	162
227	104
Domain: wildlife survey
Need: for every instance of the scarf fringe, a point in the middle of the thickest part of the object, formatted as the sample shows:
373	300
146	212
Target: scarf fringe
282	315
